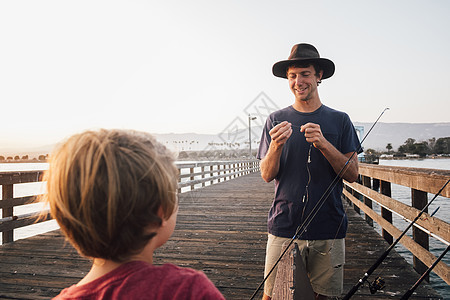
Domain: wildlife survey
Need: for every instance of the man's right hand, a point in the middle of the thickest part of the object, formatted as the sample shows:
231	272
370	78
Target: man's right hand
270	164
281	133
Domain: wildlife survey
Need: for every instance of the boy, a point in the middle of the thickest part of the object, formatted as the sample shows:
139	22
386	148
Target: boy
114	195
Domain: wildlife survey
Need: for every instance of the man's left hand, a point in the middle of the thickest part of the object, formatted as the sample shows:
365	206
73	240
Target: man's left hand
313	134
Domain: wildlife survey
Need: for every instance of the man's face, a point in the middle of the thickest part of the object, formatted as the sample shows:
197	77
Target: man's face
303	82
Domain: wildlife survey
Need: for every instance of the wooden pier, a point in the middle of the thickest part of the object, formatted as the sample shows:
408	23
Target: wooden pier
221	230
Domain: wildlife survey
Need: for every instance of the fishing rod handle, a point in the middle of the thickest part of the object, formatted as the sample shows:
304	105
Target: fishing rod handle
356	287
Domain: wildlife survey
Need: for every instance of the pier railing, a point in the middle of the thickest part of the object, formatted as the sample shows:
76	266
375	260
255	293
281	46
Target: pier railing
375	187
192	175
200	174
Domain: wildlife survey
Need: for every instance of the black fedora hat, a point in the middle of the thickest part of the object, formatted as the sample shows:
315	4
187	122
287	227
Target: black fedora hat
304	53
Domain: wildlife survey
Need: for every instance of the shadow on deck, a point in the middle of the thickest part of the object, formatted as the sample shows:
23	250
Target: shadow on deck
221	230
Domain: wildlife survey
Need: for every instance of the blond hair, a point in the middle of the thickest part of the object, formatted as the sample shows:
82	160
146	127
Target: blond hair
105	187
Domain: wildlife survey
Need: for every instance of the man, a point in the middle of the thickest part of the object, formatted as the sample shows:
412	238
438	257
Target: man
303	147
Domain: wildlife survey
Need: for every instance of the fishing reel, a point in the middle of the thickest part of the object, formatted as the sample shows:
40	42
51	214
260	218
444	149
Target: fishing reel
376	285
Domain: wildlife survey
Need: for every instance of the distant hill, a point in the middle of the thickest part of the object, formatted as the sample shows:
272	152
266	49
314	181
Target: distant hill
381	135
31	152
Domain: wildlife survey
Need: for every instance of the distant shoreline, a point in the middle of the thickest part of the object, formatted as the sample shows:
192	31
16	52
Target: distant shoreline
416	158
206	159
23	161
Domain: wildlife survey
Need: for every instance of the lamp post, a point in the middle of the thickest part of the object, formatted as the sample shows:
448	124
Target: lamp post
250	118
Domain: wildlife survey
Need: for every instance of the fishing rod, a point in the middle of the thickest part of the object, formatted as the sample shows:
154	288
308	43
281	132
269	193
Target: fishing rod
385	254
424	275
302	227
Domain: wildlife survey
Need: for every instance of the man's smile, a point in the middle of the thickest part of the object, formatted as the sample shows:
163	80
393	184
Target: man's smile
301	90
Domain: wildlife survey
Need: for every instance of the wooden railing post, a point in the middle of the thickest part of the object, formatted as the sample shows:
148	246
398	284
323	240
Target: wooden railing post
7	193
203	175
385	189
357	196
179	179
367	183
419	200
211	173
218	172
191	170
375	184
346	188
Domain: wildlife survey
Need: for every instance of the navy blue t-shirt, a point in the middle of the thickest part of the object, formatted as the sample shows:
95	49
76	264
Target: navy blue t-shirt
290	208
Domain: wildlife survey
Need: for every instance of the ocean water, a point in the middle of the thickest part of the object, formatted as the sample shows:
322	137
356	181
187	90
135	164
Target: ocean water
400	193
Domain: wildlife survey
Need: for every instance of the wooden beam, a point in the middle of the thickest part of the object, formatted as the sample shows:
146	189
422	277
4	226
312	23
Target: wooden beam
7	192
432	224
427	180
20	177
366	181
419	200
385	189
292	281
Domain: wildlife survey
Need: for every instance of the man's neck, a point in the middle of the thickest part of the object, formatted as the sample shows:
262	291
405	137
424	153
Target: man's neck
308	106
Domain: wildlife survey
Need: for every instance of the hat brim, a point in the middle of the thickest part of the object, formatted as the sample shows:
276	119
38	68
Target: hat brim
279	69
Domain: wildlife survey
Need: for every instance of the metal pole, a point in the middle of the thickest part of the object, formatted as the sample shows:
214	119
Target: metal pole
250	118
250	135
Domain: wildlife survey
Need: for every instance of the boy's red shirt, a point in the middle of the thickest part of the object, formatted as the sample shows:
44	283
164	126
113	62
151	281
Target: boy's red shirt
141	280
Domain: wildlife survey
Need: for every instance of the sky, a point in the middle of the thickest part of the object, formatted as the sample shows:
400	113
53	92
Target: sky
177	66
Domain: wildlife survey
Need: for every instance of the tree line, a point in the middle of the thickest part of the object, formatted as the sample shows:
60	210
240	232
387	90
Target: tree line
433	146
23	158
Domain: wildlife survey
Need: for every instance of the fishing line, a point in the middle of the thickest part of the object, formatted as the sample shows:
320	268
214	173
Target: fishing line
275	122
385	254
308	162
302	227
333	184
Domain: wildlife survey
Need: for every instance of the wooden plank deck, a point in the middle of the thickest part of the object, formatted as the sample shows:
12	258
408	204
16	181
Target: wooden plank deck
221	230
